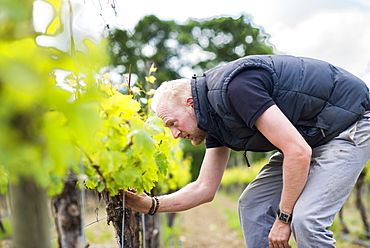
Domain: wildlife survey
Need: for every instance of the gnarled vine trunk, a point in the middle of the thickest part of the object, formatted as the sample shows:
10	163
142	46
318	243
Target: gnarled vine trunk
132	228
152	231
68	216
133	225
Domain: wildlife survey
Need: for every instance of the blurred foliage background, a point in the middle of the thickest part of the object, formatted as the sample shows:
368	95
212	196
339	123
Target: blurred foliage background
178	50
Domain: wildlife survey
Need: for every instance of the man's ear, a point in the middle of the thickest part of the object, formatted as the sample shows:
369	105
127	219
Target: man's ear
190	102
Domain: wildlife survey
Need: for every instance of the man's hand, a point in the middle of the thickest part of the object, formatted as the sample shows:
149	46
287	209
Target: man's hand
140	203
279	235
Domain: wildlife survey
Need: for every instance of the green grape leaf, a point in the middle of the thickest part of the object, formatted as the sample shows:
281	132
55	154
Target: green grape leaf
127	177
101	187
162	162
143	143
91	183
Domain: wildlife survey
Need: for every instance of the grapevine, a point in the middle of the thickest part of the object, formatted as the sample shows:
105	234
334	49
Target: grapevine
50	126
131	151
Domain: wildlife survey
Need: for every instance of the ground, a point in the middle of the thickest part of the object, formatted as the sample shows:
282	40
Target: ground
206	226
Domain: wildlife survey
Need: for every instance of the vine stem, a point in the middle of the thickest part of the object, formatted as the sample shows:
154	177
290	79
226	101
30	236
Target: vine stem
129	80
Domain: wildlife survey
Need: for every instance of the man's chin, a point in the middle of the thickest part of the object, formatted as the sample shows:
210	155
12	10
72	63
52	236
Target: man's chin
196	142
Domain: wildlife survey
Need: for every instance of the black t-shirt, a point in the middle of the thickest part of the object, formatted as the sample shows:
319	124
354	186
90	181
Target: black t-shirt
249	94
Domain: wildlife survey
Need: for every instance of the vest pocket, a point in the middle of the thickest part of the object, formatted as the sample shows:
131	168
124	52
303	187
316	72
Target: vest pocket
312	135
309	131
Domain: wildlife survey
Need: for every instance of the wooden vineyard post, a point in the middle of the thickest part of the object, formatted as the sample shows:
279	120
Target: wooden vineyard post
30	215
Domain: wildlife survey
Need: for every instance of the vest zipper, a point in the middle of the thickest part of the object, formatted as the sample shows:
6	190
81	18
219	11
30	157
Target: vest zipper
323	133
246	158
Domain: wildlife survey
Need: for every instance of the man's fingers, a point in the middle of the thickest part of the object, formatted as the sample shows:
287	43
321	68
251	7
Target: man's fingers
278	245
132	190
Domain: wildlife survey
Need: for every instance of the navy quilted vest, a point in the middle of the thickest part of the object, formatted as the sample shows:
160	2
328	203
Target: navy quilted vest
321	100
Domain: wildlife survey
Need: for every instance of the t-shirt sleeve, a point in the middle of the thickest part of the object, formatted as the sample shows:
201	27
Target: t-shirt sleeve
212	142
249	95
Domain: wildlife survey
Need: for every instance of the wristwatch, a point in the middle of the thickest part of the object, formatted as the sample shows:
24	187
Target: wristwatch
284	217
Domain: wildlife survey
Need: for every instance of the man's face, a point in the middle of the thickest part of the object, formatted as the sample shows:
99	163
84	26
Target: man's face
181	121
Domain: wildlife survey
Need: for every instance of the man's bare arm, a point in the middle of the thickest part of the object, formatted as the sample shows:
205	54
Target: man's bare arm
198	192
274	125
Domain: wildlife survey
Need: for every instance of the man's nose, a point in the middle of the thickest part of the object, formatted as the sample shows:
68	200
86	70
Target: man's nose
175	133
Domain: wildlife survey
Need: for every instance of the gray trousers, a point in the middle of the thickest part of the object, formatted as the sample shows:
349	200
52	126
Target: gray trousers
334	170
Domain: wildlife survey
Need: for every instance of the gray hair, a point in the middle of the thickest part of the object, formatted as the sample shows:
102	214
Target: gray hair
171	92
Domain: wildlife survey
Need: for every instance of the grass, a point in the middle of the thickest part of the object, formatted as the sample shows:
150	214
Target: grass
171	235
8	229
99	234
233	221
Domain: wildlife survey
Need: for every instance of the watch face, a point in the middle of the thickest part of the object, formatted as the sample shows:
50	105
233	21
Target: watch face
284	218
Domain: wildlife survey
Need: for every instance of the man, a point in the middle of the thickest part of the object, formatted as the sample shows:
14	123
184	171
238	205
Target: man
313	113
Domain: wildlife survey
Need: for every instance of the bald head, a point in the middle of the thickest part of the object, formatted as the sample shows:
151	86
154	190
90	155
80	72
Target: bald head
173	93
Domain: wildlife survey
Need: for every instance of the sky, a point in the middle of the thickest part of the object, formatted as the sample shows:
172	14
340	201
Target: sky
337	31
